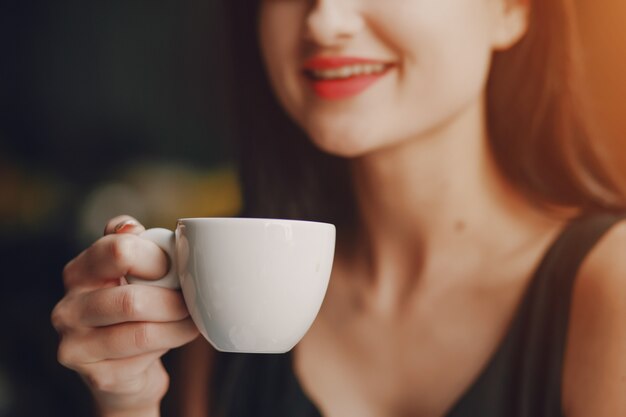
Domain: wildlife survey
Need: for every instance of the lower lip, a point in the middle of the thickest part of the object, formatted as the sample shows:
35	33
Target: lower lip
344	88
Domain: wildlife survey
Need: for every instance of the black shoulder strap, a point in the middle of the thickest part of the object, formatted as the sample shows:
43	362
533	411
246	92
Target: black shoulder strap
548	307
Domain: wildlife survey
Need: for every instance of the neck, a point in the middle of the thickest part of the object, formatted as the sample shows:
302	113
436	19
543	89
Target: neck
438	197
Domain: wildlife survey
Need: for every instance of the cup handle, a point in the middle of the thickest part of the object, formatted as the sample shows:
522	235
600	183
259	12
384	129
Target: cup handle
166	240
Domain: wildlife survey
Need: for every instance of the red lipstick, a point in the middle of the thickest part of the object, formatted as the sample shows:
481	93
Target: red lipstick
336	78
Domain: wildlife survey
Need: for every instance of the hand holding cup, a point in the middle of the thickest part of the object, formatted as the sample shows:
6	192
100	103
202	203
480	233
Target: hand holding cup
114	335
251	285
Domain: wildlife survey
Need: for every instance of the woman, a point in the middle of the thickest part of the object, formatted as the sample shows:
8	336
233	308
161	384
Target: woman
479	267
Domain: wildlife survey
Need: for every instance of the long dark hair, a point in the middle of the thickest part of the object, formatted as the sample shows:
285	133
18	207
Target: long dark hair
538	134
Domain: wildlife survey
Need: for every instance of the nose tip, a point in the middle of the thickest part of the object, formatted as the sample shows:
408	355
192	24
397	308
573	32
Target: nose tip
329	23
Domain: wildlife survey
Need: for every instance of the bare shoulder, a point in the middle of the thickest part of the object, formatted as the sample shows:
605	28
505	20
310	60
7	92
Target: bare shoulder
594	376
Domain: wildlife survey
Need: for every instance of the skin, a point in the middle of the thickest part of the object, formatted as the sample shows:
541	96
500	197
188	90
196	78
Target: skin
114	335
403	329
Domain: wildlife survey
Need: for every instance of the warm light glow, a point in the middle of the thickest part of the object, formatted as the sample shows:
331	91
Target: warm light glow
604	39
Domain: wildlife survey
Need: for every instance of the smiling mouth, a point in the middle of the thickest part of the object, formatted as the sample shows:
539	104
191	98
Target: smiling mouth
342	77
346	71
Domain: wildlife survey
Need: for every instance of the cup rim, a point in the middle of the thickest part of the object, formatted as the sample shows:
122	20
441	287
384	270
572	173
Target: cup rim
249	220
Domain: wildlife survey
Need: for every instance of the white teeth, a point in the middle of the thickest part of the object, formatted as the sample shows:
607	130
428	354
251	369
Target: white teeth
348	71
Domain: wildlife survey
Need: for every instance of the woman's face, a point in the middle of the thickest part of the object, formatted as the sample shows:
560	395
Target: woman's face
359	75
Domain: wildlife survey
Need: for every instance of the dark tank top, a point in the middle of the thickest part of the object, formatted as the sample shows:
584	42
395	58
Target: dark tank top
521	379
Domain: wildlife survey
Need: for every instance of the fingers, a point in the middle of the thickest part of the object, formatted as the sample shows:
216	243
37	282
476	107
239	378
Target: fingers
131	303
120	376
123	224
123	341
113	305
112	334
114	256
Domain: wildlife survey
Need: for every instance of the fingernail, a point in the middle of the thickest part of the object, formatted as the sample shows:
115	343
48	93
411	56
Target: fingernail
125	226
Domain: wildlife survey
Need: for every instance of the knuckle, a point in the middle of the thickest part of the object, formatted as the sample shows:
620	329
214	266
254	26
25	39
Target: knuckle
143	336
135	384
57	317
68	273
123	249
66	356
110	224
101	381
128	302
63	317
114	221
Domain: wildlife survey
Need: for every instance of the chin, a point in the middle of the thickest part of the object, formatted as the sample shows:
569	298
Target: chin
344	145
343	138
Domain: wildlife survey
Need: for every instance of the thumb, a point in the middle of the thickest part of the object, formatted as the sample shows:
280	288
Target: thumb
123	224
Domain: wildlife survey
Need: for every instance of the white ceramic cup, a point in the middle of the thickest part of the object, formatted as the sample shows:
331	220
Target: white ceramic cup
251	285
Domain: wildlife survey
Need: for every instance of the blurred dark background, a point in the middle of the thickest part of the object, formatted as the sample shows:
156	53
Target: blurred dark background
113	107
105	108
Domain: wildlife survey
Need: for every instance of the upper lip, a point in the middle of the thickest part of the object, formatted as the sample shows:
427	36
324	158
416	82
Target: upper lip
331	62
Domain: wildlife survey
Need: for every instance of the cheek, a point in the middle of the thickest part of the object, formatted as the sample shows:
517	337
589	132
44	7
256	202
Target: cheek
278	28
279	40
444	53
445	50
